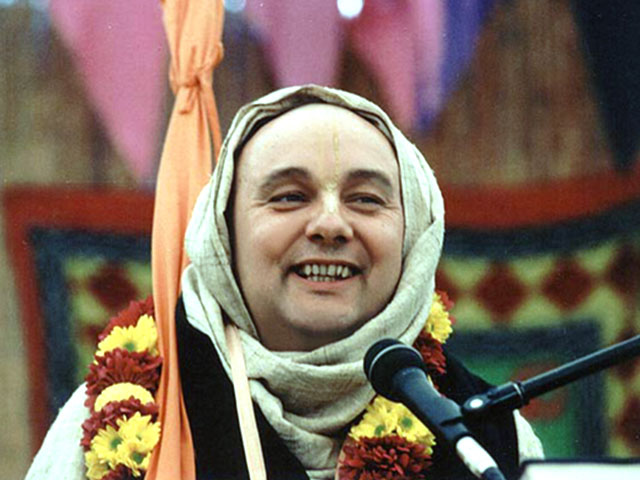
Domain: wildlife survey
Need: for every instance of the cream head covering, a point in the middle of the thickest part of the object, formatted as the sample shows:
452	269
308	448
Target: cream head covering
310	397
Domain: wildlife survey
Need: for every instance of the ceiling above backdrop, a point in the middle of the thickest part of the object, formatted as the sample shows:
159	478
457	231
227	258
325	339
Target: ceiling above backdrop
493	91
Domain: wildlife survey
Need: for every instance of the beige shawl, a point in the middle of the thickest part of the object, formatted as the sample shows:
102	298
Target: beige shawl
309	397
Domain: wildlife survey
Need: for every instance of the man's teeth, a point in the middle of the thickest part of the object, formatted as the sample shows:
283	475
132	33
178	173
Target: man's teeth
325	273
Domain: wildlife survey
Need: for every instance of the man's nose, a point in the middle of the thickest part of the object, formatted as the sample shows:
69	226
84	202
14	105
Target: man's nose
329	225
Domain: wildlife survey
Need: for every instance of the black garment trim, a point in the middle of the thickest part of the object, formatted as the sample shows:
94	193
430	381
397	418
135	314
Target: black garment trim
211	408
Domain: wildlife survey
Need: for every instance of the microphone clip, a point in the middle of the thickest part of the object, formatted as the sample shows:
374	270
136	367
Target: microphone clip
509	396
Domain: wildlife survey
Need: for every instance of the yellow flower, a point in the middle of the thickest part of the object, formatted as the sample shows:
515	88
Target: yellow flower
379	419
139	436
96	468
412	429
122	391
131	456
105	446
384	417
130	445
139	338
438	324
141	430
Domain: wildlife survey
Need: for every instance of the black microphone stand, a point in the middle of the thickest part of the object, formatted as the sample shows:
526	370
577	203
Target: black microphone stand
513	395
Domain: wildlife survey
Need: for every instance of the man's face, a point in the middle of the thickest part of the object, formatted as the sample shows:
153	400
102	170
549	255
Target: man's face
318	226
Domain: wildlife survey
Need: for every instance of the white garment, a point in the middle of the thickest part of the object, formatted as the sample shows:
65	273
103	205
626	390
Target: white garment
529	445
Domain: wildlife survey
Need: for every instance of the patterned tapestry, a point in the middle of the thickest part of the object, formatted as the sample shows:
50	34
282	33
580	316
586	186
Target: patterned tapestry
528	299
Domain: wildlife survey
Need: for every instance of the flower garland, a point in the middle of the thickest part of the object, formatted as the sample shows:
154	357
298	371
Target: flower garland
389	442
123	427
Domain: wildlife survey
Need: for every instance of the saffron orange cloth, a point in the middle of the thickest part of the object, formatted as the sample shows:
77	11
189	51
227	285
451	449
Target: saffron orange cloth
194	32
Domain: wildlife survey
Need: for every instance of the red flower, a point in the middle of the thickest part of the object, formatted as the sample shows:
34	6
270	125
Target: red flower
111	413
119	473
384	458
129	316
432	354
120	365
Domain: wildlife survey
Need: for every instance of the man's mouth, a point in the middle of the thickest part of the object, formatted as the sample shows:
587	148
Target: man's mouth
326	272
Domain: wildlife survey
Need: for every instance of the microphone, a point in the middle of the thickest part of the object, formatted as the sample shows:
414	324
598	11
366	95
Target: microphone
396	371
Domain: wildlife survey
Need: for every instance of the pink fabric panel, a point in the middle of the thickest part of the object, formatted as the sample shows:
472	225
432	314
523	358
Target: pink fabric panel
382	36
302	39
429	27
120	52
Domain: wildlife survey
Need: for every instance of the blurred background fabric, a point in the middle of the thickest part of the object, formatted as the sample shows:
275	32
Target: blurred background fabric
527	110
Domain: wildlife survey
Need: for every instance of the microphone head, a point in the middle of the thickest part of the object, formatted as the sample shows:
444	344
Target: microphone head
384	359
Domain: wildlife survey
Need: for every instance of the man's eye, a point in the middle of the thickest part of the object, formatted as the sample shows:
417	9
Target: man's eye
369	200
288	198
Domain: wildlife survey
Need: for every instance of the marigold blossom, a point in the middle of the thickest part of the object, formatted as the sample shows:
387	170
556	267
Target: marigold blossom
384	417
382	458
412	429
106	445
140	430
432	353
143	336
120	473
112	412
379	419
129	316
96	468
439	322
122	391
118	366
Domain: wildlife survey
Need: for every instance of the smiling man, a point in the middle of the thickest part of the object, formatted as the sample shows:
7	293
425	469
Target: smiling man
319	234
318	226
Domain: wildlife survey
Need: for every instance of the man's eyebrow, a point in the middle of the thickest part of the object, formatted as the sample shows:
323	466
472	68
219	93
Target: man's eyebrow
368	174
286	173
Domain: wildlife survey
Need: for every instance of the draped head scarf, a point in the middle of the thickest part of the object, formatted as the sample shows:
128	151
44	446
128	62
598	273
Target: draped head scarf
310	397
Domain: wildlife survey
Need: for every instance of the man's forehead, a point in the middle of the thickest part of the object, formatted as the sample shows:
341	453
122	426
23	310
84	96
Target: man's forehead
310	125
310	119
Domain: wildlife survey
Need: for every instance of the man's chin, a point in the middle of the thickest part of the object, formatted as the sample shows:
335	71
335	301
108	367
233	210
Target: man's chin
328	328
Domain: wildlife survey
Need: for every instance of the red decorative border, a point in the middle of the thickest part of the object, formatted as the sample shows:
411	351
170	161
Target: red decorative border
126	212
538	204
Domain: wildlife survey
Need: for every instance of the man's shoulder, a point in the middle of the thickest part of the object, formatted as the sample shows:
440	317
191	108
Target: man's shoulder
60	455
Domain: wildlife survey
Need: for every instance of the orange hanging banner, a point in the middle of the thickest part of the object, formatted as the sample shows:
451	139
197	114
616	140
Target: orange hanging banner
194	33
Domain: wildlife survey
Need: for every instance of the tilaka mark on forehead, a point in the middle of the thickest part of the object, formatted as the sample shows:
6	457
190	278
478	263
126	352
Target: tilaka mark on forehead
332	187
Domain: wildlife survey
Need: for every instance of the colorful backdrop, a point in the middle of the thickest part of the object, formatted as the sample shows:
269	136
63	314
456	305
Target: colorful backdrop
529	296
527	110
